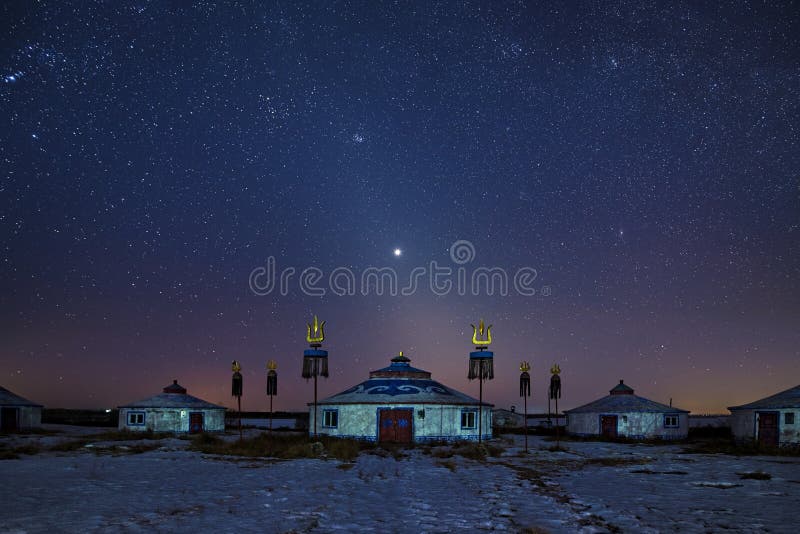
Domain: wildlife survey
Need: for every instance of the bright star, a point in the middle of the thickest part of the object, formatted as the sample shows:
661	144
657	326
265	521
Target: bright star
398	252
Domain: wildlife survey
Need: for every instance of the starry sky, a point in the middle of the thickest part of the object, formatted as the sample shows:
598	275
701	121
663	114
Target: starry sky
638	162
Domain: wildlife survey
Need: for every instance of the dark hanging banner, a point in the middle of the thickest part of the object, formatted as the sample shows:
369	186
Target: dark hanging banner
524	384
236	384
272	382
555	382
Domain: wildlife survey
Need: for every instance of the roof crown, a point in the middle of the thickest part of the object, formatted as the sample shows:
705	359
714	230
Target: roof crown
175	388
621	389
400	368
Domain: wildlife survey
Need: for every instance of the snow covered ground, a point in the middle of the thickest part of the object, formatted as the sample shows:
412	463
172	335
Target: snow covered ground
593	487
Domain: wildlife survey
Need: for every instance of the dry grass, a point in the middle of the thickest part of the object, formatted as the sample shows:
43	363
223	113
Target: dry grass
443	452
34	431
69	446
449	464
281	446
127	435
13	453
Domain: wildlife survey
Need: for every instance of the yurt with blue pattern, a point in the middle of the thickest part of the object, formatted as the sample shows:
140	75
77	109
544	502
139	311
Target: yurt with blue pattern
402	404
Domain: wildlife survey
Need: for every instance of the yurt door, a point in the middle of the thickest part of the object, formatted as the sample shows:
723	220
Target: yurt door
608	426
768	429
8	418
195	422
395	425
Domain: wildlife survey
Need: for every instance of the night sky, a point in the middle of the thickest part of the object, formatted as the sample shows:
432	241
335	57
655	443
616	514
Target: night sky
637	162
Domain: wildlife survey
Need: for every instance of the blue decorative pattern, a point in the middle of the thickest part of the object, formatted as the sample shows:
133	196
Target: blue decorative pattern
397	387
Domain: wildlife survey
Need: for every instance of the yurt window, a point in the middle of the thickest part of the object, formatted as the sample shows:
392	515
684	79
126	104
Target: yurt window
135	418
468	419
788	418
330	418
671	421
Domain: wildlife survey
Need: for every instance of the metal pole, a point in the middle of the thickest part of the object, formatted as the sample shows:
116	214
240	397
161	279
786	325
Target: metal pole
558	443
270	414
239	400
480	403
315	404
525	420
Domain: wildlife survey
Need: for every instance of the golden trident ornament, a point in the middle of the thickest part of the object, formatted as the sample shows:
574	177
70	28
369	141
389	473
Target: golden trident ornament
271	365
479	332
235	366
555	369
316	333
524	367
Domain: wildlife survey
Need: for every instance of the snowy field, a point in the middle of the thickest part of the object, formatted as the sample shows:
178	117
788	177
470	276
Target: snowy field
592	487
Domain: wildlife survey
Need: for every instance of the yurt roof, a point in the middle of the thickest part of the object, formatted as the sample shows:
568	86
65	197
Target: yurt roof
7	398
622	400
174	396
789	398
399	383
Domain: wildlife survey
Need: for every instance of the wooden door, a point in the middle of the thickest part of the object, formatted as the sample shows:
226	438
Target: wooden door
8	418
608	426
195	422
395	426
768	429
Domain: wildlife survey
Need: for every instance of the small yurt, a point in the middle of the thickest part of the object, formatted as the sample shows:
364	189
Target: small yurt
625	415
502	418
173	410
402	404
772	421
18	413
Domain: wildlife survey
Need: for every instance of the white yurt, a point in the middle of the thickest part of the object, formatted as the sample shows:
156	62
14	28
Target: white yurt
402	404
172	411
625	415
18	413
772	421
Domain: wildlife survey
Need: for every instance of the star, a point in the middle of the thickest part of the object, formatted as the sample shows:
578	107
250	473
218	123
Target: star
398	252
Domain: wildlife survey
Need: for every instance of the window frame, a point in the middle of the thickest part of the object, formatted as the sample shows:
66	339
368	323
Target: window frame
327	415
465	419
137	414
788	418
669	417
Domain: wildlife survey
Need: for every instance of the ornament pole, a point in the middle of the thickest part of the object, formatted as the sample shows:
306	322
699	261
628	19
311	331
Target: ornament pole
480	405
315	361
558	437
272	387
315	405
481	365
524	392
525	420
554	393
236	390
